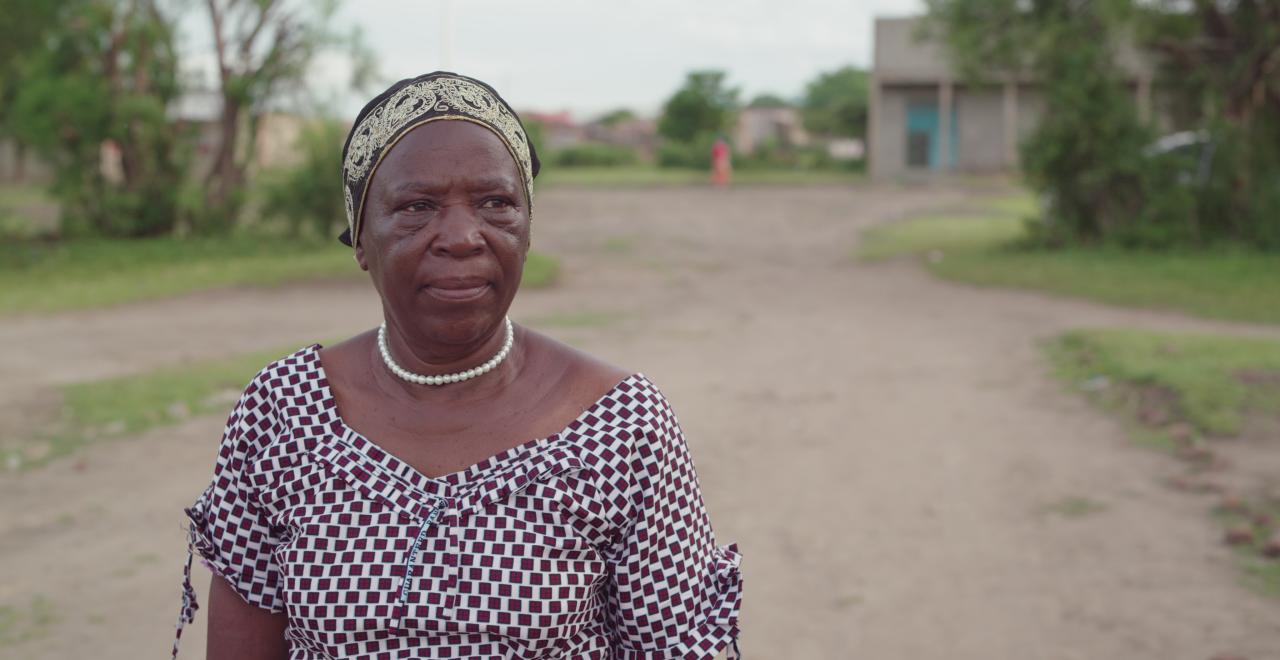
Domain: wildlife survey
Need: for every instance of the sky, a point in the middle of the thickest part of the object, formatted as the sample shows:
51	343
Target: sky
591	56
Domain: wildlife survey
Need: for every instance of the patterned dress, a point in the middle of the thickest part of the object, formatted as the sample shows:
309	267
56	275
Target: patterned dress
591	543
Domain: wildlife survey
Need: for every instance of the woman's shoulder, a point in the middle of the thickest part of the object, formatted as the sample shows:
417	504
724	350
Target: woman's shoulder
287	370
594	383
573	369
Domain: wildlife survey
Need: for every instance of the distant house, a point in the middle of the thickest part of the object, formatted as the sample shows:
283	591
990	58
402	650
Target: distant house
275	143
639	135
923	120
780	126
559	130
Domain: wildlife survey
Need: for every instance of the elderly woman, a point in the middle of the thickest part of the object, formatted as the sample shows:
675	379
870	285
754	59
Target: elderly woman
383	498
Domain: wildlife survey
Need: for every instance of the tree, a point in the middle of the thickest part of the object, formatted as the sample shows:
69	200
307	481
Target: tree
703	106
23	31
93	101
263	49
615	117
1222	59
768	101
1088	157
1085	157
303	195
835	103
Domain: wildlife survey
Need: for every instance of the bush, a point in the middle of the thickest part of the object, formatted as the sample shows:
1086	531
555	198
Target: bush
692	154
595	154
309	194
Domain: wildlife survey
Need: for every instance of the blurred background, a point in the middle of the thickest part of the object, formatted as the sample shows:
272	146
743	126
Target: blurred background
970	309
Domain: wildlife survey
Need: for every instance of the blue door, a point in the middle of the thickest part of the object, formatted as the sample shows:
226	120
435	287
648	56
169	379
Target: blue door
922	136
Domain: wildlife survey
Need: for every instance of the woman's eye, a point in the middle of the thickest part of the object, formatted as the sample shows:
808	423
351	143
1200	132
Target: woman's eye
418	207
495	203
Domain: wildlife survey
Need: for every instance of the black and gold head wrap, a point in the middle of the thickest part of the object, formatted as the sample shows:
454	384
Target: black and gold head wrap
411	103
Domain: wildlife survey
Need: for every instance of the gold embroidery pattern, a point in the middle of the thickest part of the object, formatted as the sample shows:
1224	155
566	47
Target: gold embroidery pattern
440	95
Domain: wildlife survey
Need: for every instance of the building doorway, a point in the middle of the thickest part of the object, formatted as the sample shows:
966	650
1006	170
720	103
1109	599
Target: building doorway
923	136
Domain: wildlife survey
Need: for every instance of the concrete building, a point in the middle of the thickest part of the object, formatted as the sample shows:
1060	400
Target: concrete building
922	120
780	126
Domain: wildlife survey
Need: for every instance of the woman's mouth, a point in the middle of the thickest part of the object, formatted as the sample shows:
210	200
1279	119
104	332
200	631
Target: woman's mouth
457	290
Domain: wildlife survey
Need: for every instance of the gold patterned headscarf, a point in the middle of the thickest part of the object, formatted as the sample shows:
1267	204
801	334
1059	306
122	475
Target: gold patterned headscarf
411	103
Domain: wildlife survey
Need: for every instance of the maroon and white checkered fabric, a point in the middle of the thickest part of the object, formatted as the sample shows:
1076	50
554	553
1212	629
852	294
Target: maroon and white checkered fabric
592	543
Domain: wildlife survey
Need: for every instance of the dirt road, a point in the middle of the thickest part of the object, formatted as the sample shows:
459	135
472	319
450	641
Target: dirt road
889	450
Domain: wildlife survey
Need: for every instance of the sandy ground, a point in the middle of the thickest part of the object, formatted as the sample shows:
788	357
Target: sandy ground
889	450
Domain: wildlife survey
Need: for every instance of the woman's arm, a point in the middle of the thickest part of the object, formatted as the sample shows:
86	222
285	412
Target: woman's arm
240	631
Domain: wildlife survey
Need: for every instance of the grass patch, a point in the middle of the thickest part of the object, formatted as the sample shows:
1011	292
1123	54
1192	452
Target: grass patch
1074	507
19	624
984	249
130	405
540	270
619	245
1176	390
1164	379
942	236
50	277
641	176
26	212
1259	521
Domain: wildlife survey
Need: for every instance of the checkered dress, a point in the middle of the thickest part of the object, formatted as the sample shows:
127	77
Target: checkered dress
591	543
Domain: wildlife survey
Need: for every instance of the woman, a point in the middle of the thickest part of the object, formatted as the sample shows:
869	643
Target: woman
381	498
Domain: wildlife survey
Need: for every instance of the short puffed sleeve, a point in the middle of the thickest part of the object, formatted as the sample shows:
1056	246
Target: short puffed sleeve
227	530
674	593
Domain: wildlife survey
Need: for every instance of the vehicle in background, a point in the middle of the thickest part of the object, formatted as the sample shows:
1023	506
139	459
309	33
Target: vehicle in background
1190	153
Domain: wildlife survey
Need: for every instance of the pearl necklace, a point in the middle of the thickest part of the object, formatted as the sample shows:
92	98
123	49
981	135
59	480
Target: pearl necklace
443	379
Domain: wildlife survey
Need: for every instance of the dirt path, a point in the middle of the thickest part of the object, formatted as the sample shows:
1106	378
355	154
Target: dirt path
888	449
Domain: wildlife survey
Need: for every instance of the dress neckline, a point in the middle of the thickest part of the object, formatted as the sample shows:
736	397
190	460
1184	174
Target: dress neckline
404	470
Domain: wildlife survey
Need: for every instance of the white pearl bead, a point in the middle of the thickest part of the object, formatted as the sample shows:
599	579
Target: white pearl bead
442	379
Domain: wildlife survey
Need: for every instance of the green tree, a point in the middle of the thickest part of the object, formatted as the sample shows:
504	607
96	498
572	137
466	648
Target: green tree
1085	157
768	101
703	106
304	195
93	101
615	117
23	31
835	103
1220	66
263	49
1221	60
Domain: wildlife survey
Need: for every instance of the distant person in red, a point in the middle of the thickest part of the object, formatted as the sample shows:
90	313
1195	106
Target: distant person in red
721	167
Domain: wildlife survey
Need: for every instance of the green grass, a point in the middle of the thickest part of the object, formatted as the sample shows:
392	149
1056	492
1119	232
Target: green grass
1175	391
641	176
1210	382
540	270
117	407
50	277
1074	507
1260	572
952	236
984	249
26	211
19	624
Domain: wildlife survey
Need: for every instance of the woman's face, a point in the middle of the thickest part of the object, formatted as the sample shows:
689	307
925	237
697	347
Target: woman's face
445	233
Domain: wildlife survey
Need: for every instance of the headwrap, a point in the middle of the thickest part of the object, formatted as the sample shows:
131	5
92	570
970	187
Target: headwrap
411	103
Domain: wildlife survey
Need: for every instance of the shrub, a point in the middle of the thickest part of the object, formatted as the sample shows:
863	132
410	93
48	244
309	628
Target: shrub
692	154
595	154
309	195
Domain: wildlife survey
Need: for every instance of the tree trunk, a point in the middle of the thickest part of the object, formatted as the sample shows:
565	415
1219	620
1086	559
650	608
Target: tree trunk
226	175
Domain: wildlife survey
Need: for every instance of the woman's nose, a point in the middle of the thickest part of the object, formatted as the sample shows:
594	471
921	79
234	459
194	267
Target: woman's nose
459	233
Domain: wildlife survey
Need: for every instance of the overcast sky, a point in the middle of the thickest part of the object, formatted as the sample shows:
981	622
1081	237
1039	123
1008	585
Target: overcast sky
590	56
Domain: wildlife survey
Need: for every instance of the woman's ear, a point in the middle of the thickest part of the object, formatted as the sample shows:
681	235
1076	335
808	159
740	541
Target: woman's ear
360	258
